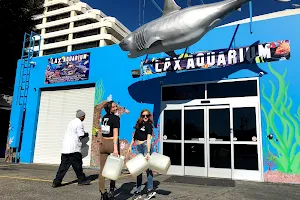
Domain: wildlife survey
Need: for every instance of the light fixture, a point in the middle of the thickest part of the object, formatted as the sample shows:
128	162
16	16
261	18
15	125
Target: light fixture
136	73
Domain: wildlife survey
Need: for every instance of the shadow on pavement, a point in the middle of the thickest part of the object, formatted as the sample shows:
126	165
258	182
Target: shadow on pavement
69	183
90	177
125	191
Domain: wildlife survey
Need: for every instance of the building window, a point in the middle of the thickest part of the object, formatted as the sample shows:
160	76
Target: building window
55	50
85	45
83	22
56	7
57	28
232	89
56	39
183	92
109	42
58	17
86	33
38	21
78	12
113	32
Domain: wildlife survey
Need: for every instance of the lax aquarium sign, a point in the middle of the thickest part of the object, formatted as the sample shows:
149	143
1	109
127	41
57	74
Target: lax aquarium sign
266	52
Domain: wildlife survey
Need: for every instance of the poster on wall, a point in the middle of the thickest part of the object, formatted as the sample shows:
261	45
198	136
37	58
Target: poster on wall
266	52
68	68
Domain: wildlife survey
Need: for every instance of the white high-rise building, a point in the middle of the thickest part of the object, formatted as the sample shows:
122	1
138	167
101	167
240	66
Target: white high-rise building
68	25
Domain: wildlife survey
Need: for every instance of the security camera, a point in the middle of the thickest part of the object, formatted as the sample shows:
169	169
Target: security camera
261	74
161	82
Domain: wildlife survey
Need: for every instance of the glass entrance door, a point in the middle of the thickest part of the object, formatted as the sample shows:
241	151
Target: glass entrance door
219	151
213	141
207	141
171	136
194	141
246	144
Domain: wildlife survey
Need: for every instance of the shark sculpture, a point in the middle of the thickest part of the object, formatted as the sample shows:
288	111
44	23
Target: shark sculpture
177	28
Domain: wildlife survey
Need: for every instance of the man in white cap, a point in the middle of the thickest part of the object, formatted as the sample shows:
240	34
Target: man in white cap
71	151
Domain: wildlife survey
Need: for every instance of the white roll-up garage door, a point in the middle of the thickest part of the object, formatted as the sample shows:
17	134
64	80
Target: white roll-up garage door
57	109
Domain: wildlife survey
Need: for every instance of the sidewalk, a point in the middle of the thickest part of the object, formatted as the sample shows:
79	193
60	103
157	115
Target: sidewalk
34	182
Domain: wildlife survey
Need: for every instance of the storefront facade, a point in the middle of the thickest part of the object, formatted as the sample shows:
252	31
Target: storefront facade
237	120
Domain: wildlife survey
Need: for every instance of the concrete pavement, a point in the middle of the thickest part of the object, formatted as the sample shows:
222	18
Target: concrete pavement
23	181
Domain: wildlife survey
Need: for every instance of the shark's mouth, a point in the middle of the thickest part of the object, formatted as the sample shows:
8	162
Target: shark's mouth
123	46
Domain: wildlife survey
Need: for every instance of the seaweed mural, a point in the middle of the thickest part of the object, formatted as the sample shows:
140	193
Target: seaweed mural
99	93
283	132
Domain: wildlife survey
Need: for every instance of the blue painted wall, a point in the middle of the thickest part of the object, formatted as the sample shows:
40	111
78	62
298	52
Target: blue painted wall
112	66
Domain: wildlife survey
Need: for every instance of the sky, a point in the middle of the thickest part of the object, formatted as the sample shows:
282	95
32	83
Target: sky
127	11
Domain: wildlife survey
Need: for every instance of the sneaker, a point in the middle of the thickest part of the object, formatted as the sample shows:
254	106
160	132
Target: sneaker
137	196
84	182
104	196
150	194
55	184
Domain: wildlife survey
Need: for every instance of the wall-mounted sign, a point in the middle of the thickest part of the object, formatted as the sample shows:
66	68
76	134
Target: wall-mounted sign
68	68
266	52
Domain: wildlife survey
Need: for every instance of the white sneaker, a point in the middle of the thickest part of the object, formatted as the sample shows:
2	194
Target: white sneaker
137	196
150	194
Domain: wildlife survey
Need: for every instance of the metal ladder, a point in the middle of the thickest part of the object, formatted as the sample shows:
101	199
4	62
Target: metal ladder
31	48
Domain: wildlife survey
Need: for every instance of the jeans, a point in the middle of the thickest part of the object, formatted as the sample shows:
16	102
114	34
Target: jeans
142	149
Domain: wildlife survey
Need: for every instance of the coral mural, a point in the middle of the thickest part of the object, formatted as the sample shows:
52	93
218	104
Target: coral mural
282	155
156	139
96	137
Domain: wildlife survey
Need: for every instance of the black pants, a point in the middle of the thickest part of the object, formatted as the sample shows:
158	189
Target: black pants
74	159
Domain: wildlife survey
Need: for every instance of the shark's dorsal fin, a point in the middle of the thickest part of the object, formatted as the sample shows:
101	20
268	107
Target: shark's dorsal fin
170	6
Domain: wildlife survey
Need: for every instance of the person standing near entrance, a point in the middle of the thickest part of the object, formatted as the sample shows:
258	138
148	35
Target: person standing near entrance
143	137
71	151
109	145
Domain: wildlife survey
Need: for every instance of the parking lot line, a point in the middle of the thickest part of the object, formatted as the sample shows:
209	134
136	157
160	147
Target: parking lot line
44	180
23	178
8	165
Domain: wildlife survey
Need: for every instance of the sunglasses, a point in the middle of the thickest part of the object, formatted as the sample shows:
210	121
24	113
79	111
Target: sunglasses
145	116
